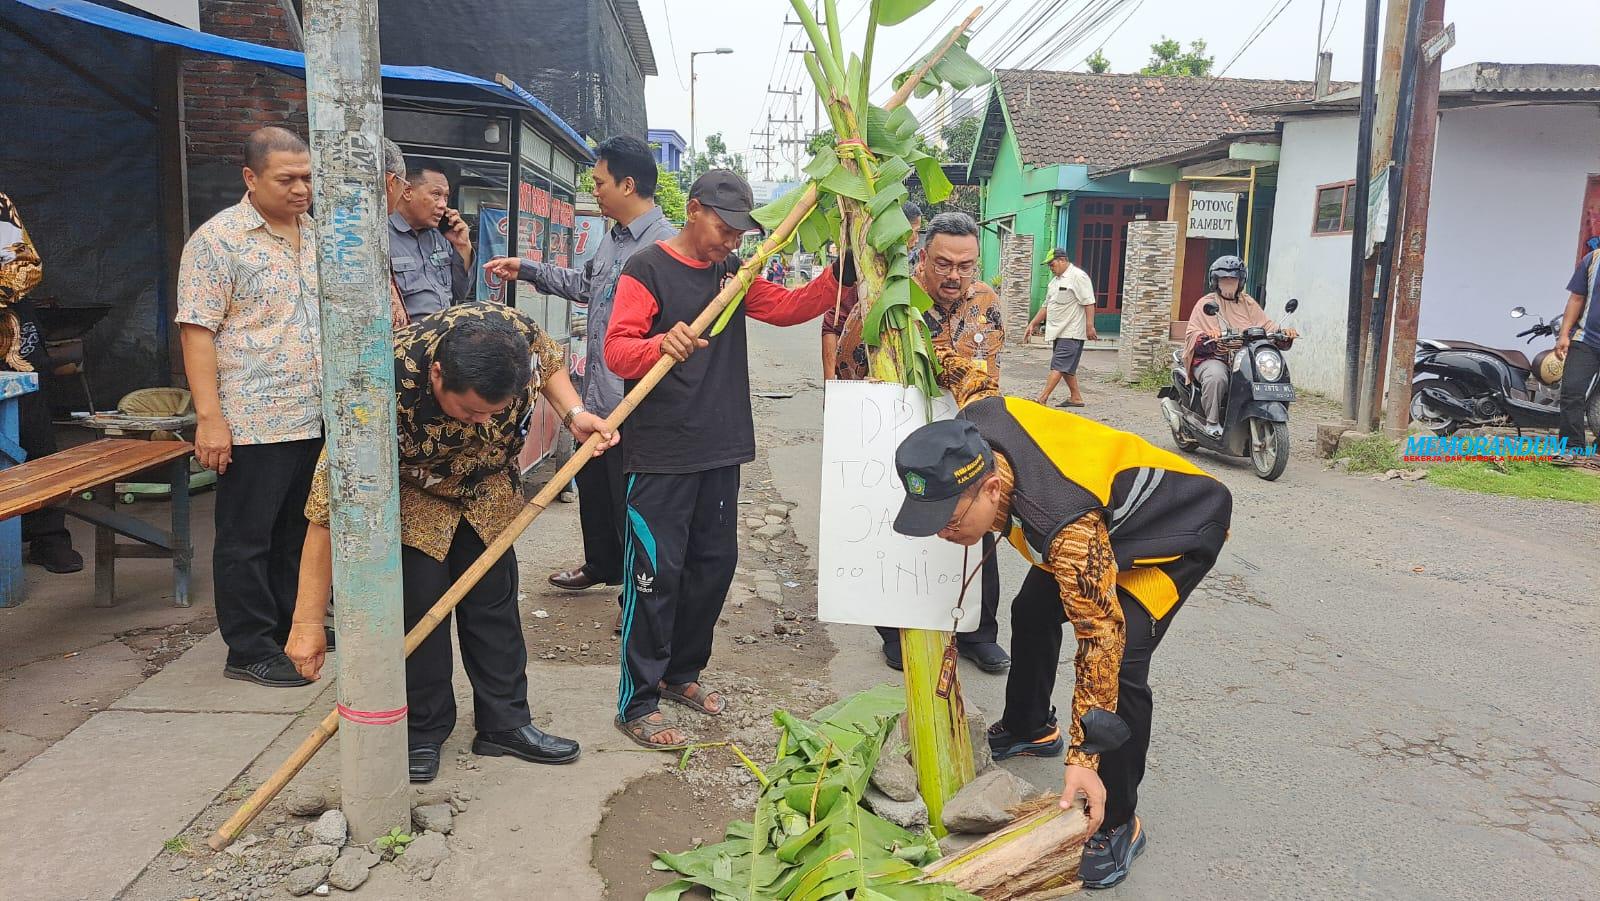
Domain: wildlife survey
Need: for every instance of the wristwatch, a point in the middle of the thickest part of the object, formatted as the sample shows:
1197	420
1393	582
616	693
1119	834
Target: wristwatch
566	421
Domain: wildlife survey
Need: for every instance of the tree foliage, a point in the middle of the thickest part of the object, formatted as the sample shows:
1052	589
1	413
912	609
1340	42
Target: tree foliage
1167	57
670	195
715	156
959	139
1097	63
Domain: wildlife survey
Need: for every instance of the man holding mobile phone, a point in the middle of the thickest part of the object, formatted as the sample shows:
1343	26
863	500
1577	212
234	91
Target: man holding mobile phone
430	245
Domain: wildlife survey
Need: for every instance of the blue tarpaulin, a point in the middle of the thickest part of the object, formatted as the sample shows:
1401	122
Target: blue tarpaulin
426	81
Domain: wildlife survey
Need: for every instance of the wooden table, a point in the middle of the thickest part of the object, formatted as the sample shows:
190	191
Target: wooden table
61	479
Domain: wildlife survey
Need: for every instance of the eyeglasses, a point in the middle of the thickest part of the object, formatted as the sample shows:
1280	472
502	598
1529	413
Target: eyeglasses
961	513
944	267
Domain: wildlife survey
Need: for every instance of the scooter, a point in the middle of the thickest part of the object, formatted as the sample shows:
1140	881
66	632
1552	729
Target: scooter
1460	384
1255	413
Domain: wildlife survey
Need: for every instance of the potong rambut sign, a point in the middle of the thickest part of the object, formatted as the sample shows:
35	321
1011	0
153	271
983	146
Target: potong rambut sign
1213	215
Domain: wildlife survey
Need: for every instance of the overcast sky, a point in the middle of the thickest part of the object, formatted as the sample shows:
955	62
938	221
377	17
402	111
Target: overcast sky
732	93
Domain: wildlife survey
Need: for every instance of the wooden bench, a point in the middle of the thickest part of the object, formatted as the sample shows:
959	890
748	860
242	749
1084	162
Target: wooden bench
61	479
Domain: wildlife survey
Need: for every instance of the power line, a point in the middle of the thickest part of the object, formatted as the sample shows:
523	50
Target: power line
1260	29
672	45
1328	36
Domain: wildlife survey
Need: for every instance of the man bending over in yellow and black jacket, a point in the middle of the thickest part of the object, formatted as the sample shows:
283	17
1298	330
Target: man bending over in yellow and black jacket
1119	532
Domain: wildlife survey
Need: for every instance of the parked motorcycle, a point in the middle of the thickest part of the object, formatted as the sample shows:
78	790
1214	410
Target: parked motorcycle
1255	412
1461	385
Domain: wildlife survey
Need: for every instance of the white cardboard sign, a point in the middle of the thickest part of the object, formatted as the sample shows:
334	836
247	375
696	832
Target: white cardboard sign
867	573
1213	215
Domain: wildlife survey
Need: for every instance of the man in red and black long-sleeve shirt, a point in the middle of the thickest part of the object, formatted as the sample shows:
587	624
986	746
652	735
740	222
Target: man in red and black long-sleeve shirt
683	447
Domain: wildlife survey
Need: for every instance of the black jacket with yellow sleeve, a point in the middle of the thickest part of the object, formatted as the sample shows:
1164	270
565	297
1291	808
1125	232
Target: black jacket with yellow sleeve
1167	519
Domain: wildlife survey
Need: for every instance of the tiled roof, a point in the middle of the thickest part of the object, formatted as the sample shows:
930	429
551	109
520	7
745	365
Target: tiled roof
1110	120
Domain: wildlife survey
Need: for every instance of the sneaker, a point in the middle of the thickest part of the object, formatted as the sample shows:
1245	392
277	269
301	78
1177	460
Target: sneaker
1109	854
1003	745
1214	431
274	672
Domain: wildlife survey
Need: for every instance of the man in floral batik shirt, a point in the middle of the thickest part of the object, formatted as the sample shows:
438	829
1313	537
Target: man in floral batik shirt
252	349
965	318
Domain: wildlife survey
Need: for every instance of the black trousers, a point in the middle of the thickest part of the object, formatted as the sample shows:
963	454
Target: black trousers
602	511
682	548
35	431
489	627
1582	363
989	584
1037	618
261	528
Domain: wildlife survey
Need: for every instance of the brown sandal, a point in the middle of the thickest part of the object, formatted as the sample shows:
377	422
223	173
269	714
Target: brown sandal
640	731
699	701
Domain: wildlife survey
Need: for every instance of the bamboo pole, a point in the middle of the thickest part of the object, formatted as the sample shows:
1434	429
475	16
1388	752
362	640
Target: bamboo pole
730	293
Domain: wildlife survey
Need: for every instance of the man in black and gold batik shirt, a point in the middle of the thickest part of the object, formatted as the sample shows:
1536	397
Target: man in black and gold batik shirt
466	380
1119	532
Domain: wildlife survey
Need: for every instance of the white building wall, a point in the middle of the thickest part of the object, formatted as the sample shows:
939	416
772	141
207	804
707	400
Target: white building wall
1313	268
1503	221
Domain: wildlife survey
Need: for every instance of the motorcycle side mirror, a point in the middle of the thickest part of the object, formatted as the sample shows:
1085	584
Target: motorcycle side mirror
1518	312
1211	308
1292	305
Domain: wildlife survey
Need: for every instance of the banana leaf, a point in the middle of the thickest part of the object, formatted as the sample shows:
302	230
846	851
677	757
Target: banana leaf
956	68
893	12
848	850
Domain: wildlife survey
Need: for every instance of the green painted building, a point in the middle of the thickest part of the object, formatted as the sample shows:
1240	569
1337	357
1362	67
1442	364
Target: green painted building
1053	154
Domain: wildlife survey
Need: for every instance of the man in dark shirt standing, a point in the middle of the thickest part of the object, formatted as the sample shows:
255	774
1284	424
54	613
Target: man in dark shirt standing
684	445
625	188
1581	356
430	246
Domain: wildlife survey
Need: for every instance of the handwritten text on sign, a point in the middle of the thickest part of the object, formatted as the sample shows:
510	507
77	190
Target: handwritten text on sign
867	573
1213	215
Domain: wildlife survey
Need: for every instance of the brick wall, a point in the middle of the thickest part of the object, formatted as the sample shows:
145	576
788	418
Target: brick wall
1150	254
225	100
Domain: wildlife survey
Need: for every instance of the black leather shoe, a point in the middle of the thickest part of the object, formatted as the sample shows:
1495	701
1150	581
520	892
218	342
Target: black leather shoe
528	743
577	579
423	763
986	654
57	557
891	654
273	672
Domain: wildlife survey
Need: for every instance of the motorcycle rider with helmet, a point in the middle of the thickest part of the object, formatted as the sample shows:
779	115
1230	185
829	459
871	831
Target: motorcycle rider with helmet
1204	357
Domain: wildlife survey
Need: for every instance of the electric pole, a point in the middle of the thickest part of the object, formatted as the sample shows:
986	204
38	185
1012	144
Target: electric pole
765	148
794	121
1383	128
345	109
816	97
1418	185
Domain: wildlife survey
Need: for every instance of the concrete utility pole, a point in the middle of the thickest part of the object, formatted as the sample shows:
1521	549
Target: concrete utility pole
346	116
1413	236
1383	130
1354	322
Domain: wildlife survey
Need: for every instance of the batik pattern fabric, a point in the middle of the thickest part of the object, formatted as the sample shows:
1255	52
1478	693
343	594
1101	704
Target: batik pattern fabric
20	271
1081	561
971	327
248	285
450	469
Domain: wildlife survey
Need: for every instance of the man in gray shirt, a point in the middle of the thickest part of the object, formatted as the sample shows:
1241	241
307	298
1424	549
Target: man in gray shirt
430	246
625	188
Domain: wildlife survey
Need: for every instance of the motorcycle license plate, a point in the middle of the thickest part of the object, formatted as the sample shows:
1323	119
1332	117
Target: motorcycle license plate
1280	392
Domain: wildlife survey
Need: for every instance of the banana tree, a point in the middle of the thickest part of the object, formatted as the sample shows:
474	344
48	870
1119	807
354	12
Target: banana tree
861	185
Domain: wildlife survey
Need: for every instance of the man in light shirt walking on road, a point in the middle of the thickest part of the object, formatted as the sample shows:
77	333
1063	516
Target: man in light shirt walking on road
1068	322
